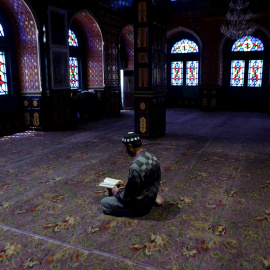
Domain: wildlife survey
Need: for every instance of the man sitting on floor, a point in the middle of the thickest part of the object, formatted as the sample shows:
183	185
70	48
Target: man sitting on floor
137	197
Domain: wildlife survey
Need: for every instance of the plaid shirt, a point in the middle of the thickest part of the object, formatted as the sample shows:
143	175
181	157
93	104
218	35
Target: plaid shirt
143	181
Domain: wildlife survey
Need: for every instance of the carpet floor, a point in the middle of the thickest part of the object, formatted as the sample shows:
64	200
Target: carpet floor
215	182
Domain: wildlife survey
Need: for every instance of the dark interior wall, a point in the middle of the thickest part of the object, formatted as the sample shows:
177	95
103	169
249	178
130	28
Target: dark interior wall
110	21
53	108
207	28
204	21
208	31
203	18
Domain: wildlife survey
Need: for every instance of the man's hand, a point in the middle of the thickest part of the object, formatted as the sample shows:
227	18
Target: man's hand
118	186
121	185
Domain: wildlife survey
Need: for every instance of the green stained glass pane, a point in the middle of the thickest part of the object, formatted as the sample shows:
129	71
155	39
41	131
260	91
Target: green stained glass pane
185	46
2	34
74	75
255	69
192	68
248	44
3	74
72	39
237	73
177	73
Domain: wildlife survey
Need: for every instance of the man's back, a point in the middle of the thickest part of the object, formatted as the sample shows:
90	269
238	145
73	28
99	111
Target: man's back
143	180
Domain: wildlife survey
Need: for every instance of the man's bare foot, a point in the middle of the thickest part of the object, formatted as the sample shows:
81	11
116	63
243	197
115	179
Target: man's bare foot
159	200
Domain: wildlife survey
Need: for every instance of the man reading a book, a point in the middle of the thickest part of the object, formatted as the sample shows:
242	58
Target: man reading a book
140	193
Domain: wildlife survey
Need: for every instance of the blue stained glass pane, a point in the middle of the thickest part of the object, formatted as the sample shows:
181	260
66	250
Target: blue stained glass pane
72	39
255	69
185	46
237	72
177	73
3	75
2	34
74	75
192	69
121	3
248	44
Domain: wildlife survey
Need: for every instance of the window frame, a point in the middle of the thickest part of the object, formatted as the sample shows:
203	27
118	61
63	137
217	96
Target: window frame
183	57
247	56
74	51
246	96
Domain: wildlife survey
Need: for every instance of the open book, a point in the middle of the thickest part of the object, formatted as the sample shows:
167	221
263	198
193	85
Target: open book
109	182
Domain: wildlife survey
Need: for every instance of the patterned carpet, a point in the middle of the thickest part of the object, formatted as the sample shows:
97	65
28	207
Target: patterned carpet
215	181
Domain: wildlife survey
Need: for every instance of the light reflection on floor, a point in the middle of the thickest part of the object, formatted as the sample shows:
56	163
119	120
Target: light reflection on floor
19	135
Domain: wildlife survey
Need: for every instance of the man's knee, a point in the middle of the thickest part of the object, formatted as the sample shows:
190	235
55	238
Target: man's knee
105	203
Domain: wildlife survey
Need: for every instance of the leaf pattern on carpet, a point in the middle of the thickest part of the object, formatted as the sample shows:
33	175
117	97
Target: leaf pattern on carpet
215	182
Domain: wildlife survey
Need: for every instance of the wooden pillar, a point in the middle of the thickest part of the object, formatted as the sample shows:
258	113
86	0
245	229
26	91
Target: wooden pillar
55	102
150	72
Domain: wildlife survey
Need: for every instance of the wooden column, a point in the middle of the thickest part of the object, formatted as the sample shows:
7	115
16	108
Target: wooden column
56	96
150	72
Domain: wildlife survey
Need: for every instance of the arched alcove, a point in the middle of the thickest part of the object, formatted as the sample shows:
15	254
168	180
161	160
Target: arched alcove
245	71
90	33
183	67
27	52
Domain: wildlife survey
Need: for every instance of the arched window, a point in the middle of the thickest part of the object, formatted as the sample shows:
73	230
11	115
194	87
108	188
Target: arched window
248	44
185	46
74	60
247	70
185	69
3	64
245	66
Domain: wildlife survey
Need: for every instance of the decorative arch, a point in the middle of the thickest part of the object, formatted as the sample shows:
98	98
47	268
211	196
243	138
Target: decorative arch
223	45
93	48
248	44
255	67
126	42
27	45
184	49
179	30
185	46
197	46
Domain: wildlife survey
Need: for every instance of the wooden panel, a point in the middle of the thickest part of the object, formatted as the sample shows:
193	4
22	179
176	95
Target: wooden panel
32	112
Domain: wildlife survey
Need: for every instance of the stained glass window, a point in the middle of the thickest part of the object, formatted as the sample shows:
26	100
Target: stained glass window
248	44
121	3
237	72
255	69
177	73
74	77
2	34
3	75
185	46
192	73
72	39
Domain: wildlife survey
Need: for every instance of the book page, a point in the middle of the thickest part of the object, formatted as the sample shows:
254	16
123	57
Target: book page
107	185
111	180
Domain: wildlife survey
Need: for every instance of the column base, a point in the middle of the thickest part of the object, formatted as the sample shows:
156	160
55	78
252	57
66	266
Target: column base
150	115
